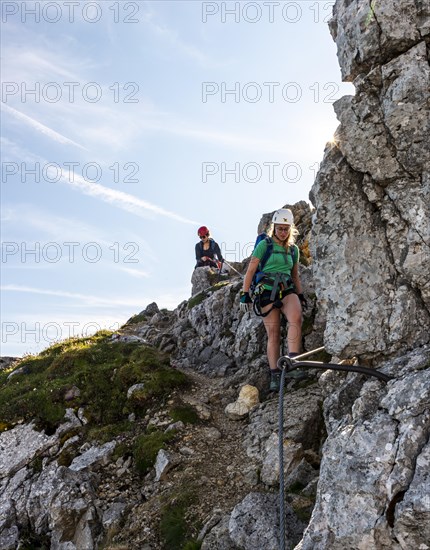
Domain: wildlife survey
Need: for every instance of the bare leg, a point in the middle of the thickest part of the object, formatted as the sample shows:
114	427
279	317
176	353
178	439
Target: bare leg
292	310
272	324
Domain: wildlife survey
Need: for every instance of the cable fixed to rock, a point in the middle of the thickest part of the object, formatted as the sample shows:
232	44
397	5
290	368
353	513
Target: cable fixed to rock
288	364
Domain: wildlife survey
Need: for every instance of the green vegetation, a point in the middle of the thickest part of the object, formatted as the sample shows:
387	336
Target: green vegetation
137	318
146	448
198	298
102	370
30	541
175	523
184	413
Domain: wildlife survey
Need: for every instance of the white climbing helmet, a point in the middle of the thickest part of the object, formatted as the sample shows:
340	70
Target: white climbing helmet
284	216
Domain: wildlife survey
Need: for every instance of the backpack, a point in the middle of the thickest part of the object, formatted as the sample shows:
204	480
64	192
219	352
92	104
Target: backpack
259	274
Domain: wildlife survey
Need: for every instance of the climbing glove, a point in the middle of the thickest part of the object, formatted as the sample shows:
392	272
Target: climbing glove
303	301
245	301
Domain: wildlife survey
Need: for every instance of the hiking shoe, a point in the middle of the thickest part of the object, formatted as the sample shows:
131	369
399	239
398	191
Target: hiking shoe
275	380
296	374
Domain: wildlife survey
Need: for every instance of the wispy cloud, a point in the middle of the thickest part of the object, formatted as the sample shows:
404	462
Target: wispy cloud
87	300
138	273
122	200
39	127
84	299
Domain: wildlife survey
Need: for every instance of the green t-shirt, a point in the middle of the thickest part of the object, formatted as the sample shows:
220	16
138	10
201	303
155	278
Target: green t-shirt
279	261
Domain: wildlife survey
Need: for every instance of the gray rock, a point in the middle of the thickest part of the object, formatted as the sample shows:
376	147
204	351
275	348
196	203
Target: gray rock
18	447
412	513
293	454
374	469
112	516
150	310
302	476
6	362
72	393
371	237
202	279
9	538
303	422
21	370
163	463
134	388
93	457
219	537
368	34
254	523
175	426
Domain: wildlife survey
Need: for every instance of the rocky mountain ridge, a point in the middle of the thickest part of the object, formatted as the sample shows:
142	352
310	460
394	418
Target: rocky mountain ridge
190	458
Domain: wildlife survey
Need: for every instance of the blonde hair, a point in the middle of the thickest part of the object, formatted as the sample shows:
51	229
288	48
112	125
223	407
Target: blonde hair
291	235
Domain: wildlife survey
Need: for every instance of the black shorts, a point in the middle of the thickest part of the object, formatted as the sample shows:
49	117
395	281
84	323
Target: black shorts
264	297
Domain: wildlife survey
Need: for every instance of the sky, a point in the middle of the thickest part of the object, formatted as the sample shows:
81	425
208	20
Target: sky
126	125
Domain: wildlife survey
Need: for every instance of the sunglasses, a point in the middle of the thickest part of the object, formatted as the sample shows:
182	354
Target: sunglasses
204	236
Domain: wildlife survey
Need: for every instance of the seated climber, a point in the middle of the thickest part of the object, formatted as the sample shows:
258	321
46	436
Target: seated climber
208	252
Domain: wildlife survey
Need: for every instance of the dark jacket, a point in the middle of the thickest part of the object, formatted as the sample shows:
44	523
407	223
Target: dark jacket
214	252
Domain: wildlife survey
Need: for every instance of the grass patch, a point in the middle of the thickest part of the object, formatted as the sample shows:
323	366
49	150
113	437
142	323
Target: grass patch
184	413
146	448
175	523
138	318
103	434
198	298
30	541
103	371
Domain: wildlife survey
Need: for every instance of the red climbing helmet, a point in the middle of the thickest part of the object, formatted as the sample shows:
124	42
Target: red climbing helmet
202	231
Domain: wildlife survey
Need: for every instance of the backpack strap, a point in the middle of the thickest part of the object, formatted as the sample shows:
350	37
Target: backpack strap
293	252
267	254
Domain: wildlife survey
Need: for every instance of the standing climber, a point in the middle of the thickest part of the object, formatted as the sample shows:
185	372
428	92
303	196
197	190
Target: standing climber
208	252
279	289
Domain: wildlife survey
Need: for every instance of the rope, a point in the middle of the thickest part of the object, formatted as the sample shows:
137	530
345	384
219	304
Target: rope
281	464
286	363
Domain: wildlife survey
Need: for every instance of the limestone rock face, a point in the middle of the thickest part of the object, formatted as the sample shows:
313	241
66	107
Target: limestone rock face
373	485
371	33
371	232
254	523
200	279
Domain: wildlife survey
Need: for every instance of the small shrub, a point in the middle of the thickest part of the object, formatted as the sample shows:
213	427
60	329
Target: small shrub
196	300
138	318
146	448
192	545
185	414
174	526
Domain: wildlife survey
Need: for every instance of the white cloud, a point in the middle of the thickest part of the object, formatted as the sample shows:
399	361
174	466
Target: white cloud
138	273
84	299
39	127
122	200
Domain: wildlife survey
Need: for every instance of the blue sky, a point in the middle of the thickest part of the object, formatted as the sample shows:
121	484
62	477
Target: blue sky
120	138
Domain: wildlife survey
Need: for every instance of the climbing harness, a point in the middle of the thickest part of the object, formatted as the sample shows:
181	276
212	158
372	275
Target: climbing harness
288	364
280	283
